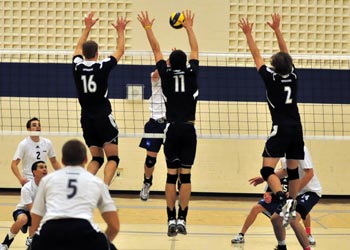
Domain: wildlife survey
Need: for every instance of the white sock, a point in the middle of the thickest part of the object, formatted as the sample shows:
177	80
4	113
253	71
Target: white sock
281	242
11	235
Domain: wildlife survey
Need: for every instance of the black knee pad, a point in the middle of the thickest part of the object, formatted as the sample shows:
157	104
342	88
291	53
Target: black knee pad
185	178
266	171
114	158
150	161
293	174
98	159
171	178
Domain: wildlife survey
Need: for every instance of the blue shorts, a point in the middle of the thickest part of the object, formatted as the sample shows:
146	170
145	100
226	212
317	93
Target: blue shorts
153	127
18	212
269	207
306	202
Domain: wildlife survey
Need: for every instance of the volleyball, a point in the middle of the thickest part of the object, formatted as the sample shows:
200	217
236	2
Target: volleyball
176	20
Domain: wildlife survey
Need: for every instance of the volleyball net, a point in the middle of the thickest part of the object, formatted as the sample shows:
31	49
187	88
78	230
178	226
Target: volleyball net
231	95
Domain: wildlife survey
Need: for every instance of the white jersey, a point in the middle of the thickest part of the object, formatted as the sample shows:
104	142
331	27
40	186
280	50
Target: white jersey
314	184
28	192
29	152
156	101
72	192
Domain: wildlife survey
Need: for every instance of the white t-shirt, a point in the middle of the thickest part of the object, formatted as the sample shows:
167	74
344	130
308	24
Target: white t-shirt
28	192
29	152
156	101
71	192
314	184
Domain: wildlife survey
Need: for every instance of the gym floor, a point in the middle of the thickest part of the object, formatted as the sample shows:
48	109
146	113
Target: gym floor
211	224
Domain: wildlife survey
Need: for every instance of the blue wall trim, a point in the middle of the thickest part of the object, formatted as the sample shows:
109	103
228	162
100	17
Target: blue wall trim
216	83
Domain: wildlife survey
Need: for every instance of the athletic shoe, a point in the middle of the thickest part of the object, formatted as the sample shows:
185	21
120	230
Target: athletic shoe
172	228
288	211
28	241
144	194
280	247
4	247
181	226
239	238
311	240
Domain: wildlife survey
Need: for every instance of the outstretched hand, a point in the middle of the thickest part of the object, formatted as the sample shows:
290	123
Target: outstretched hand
189	17
245	25
144	19
120	24
256	180
275	24
89	21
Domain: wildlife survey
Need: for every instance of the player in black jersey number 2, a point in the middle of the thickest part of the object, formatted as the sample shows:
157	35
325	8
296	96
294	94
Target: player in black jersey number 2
286	137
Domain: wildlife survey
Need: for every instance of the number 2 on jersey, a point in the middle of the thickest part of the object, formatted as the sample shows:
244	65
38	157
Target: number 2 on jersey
89	85
179	83
289	93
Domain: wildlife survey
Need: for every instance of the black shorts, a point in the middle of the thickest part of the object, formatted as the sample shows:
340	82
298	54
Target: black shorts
305	202
180	145
98	131
153	127
285	141
69	234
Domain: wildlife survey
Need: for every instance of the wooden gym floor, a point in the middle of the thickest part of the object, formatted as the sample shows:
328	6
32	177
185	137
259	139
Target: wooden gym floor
211	224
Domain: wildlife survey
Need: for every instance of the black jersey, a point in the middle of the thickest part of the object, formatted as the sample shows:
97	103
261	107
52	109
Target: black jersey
281	95
91	81
284	185
180	91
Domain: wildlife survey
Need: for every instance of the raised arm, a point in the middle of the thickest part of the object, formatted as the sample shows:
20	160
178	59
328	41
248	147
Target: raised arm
120	28
188	25
275	25
147	25
247	30
89	23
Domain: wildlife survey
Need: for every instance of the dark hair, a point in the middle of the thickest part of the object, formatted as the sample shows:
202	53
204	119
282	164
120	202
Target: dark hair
35	165
90	49
73	153
178	60
282	63
31	120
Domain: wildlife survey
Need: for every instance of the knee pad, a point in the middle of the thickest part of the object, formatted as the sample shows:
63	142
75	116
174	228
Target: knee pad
171	178
150	161
114	158
266	171
98	159
185	178
293	174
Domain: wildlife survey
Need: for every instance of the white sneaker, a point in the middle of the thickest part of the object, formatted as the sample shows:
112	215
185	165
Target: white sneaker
172	228
144	194
311	240
4	247
239	238
288	211
181	226
28	241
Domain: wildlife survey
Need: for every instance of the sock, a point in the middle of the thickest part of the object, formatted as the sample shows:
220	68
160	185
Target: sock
183	213
281	197
281	242
242	234
9	238
308	230
148	180
171	213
